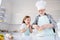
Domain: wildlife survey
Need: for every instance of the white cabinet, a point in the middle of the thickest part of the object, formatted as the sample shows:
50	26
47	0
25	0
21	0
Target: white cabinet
2	14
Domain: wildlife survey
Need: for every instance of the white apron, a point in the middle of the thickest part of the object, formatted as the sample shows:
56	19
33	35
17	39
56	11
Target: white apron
46	34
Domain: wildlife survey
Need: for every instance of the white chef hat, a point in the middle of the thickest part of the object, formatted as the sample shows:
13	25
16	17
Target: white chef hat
41	4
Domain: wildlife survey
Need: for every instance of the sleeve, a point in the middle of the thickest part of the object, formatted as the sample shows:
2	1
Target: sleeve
23	26
35	21
52	21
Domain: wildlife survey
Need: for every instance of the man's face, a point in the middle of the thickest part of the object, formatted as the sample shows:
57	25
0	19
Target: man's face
42	11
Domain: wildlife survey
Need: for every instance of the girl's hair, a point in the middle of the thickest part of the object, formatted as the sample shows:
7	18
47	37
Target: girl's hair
25	18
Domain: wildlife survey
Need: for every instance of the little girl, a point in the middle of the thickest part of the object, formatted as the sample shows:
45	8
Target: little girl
25	28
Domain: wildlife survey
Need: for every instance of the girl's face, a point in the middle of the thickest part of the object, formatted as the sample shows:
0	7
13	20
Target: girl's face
42	11
27	20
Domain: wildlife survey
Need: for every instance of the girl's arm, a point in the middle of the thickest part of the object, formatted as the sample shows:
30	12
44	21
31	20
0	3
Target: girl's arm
31	29
22	30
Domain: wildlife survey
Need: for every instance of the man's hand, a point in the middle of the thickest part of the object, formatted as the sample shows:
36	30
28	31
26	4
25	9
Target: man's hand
47	25
43	26
35	26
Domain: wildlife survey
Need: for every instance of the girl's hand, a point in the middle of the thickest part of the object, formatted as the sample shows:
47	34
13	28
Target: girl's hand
30	28
28	25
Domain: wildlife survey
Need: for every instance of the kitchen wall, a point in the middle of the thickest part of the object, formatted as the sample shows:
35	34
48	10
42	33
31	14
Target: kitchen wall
17	9
22	8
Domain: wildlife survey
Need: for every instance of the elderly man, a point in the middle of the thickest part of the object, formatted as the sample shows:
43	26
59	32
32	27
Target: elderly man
44	23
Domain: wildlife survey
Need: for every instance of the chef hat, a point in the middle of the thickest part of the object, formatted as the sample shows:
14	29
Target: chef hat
41	4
